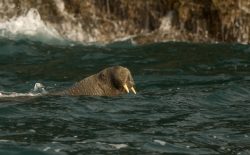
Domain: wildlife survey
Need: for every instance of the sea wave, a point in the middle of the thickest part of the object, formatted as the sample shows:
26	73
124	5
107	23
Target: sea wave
29	26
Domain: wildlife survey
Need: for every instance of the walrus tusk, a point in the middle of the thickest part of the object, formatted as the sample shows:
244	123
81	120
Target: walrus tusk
133	90
126	88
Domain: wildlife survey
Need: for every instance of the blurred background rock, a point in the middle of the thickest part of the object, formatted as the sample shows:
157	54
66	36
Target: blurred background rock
106	21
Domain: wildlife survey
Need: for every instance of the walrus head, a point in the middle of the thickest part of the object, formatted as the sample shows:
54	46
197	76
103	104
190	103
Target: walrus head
117	77
110	81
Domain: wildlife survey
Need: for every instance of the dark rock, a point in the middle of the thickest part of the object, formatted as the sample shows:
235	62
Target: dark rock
148	21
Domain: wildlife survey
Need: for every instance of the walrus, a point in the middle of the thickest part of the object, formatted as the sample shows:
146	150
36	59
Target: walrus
112	81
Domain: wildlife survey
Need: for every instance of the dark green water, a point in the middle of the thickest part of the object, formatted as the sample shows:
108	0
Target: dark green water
192	99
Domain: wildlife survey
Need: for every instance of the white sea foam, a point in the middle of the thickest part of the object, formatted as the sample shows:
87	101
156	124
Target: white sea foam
38	90
160	142
119	146
57	150
46	149
4	140
29	25
14	94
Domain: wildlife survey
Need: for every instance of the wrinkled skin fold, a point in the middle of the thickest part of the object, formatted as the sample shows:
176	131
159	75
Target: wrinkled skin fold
110	81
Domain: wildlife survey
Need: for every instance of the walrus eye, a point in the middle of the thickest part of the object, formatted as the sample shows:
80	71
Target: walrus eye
102	76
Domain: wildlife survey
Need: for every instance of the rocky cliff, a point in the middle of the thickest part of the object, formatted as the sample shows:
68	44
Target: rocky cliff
142	21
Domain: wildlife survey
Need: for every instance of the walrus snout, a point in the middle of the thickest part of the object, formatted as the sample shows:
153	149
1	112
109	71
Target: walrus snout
122	78
129	85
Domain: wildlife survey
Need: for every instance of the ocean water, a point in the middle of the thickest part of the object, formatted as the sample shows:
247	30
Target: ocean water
192	99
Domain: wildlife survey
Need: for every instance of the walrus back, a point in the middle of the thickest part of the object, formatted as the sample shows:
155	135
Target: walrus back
87	86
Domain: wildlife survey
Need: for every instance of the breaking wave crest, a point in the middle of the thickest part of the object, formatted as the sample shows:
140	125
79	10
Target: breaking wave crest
31	26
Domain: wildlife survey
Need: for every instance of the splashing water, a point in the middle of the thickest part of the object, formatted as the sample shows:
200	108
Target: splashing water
38	90
29	25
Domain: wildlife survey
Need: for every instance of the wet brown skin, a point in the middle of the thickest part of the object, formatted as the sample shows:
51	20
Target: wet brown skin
110	81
